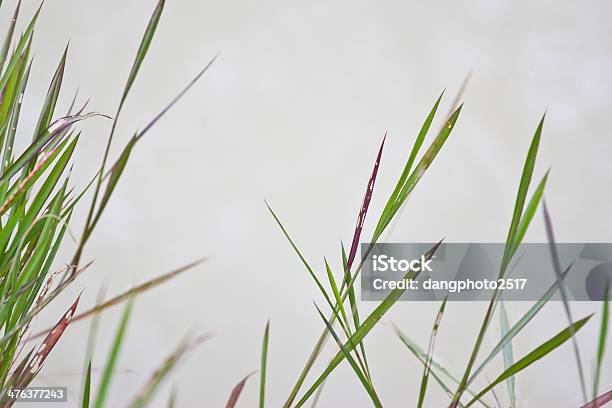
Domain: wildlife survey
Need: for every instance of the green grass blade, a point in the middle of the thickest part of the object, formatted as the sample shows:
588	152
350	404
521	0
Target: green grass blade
93	331
414	178
140	56
9	36
430	351
51	99
437	370
23	41
306	264
507	353
87	388
367	325
113	357
535	355
336	293
413	153
601	344
347	354
521	195
354	309
530	211
176	98
518	326
264	363
143	48
511	245
418	172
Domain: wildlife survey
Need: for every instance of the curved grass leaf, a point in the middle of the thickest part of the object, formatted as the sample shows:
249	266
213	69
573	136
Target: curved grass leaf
384	220
143	48
518	326
367	325
515	230
236	391
436	368
535	355
347	354
430	351
413	153
113	357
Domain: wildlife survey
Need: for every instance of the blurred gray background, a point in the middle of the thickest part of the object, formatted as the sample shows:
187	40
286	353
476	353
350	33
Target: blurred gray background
293	111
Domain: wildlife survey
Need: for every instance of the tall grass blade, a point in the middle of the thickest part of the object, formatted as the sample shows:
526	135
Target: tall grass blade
521	195
411	158
364	207
511	245
264	364
176	98
601	343
384	220
430	351
113	357
518	326
564	296
304	262
347	354
9	36
437	370
140	56
87	388
364	329
143	48
535	355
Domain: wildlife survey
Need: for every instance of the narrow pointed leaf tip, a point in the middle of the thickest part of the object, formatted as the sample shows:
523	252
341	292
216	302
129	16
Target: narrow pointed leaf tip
233	399
364	207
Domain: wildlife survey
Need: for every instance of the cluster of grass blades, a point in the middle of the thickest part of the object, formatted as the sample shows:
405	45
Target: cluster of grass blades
355	330
36	205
